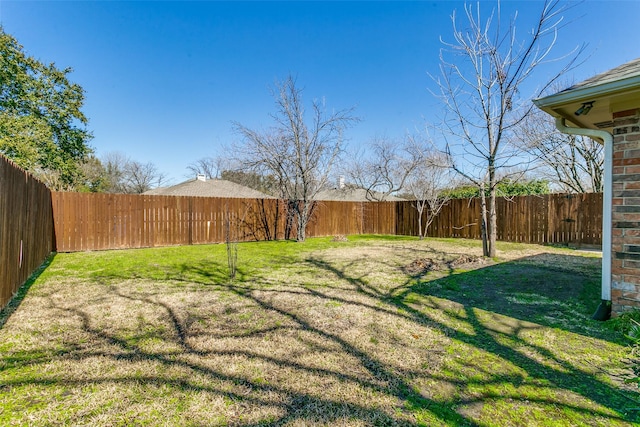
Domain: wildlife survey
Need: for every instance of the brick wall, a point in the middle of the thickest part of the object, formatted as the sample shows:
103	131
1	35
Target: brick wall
625	268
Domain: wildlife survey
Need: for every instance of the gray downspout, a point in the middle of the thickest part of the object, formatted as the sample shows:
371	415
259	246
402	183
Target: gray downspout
604	309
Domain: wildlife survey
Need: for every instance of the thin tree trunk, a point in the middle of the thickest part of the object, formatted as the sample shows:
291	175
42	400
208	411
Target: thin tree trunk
493	232
276	220
483	221
289	216
420	208
303	219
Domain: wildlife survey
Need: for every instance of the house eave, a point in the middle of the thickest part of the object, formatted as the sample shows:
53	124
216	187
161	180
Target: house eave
607	98
548	103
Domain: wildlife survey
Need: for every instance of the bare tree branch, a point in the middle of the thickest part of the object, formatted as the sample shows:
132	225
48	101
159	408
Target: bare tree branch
387	167
211	167
300	150
574	162
426	185
482	72
124	175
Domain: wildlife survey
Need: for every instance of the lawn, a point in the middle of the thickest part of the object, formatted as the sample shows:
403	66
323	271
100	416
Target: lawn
372	331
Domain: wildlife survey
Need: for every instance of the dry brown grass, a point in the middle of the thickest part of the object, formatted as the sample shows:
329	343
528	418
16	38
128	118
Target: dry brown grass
342	336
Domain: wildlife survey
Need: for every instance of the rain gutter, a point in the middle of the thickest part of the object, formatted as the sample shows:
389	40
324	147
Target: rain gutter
578	93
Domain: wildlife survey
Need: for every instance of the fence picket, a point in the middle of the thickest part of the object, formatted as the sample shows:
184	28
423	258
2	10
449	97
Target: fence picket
26	227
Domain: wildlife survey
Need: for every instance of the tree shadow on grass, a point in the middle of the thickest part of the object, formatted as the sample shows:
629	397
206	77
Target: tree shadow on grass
294	406
548	290
186	348
554	290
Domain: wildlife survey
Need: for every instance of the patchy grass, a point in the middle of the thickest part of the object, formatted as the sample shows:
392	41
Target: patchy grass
315	333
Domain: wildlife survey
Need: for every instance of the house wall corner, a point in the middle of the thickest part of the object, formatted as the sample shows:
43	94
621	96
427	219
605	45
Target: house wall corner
625	243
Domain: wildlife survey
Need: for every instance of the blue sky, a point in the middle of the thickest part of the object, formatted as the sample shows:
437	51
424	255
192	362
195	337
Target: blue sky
165	80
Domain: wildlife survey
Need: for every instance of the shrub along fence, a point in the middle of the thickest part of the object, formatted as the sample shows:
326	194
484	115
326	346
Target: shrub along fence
26	227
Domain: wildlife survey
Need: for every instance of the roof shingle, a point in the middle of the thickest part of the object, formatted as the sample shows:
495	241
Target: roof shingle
350	195
210	188
624	71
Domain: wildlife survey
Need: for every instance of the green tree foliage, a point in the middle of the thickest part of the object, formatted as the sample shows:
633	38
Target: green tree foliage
95	178
506	188
509	188
41	126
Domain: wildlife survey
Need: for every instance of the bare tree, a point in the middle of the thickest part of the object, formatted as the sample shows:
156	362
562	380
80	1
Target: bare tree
231	237
114	163
211	167
386	166
140	177
427	185
574	162
300	150
124	175
481	91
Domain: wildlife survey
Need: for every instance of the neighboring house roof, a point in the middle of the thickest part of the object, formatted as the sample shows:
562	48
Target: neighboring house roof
615	90
201	187
350	195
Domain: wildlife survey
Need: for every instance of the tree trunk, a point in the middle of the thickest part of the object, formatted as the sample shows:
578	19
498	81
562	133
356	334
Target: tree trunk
420	208
302	209
290	213
483	221
276	220
493	232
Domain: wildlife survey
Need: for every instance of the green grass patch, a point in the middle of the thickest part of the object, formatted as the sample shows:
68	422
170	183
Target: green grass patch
315	333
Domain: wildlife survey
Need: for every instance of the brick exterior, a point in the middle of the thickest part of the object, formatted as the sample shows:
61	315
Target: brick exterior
625	268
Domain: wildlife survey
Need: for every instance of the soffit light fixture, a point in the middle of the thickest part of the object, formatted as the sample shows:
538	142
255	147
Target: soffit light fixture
584	109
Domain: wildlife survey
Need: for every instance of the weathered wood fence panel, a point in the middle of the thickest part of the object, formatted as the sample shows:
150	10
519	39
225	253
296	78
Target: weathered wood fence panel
85	221
552	218
26	227
334	218
112	221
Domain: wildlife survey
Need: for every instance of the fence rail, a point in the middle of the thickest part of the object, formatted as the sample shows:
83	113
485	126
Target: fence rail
26	227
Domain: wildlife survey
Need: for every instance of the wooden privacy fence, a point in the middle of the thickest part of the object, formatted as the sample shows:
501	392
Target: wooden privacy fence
552	218
86	221
26	227
112	221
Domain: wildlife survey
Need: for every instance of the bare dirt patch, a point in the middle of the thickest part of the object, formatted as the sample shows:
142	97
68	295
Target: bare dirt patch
422	266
